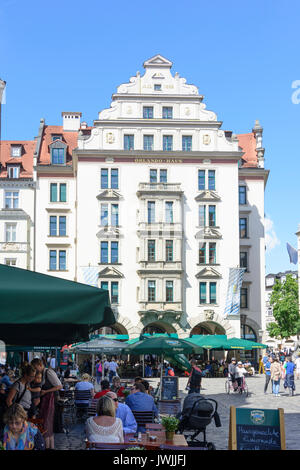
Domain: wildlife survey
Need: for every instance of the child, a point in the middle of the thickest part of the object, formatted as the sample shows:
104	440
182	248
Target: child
35	389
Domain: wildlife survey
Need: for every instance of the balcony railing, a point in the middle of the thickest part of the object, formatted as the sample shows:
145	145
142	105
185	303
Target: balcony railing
14	247
160	187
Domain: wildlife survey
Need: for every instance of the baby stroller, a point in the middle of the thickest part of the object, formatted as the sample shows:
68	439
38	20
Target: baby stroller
196	414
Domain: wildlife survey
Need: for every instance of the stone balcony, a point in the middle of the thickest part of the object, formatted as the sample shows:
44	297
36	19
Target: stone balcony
14	247
161	309
159	188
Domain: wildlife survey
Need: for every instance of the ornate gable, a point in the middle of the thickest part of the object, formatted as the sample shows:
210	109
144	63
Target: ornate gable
157	61
109	232
208	272
208	233
109	195
208	196
110	272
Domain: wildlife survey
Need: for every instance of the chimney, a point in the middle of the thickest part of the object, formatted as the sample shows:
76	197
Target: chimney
71	120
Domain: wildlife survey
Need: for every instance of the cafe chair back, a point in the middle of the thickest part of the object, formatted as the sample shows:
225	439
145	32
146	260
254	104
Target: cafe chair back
143	417
108	446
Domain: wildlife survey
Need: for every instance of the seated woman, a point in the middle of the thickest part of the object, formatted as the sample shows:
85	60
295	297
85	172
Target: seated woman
117	388
18	434
105	427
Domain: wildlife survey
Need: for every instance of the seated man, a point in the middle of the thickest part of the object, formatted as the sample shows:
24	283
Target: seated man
125	414
104	389
139	400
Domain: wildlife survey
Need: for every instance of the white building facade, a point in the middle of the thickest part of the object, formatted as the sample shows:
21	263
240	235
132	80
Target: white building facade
154	202
158	209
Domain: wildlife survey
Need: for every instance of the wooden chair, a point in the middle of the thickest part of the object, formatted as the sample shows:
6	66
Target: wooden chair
143	417
92	408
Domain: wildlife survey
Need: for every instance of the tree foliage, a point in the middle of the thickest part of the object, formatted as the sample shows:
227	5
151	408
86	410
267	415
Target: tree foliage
284	300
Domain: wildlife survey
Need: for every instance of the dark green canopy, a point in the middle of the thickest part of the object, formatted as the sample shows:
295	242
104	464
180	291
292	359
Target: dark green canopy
36	309
162	345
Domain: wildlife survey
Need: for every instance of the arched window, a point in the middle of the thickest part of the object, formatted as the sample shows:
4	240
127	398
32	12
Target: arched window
248	333
153	329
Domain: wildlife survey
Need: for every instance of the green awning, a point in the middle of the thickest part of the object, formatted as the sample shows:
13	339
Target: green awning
245	344
162	346
210	341
36	309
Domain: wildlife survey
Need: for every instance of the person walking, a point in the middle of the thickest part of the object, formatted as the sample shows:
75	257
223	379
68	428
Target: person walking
289	381
112	367
194	381
98	371
275	376
232	373
260	366
267	367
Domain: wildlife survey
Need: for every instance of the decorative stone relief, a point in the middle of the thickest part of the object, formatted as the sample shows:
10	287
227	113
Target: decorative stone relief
110	138
206	139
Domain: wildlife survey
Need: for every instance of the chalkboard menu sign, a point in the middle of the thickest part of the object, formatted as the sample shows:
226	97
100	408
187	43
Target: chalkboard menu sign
256	429
169	388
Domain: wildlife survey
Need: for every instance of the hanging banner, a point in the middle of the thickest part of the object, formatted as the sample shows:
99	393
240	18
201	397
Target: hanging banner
235	280
90	275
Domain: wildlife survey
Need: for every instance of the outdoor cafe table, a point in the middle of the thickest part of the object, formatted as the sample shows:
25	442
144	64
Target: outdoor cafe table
179	440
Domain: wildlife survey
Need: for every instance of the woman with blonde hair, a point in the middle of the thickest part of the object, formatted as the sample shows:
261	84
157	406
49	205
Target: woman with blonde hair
105	427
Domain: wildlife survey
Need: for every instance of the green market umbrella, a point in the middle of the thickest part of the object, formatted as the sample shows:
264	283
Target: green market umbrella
239	343
210	341
162	346
99	346
37	309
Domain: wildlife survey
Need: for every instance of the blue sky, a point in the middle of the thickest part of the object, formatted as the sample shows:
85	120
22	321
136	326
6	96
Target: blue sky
244	56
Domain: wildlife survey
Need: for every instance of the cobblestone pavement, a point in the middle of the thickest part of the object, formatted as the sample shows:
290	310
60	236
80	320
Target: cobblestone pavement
215	388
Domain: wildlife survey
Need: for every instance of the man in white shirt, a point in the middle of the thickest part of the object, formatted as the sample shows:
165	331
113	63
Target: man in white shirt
112	367
53	363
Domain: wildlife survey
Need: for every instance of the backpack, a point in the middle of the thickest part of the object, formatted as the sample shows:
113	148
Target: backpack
99	368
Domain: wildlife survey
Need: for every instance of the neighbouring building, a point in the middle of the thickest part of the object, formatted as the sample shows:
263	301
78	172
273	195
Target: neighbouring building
154	202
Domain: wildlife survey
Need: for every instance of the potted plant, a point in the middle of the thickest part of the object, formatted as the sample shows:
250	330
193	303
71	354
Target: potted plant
170	423
126	393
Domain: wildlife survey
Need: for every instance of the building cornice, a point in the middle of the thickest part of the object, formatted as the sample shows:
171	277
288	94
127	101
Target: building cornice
168	123
17	183
254	173
52	170
156	97
85	154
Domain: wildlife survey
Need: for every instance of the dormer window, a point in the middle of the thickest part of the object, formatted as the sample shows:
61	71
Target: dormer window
56	137
58	150
16	150
13	171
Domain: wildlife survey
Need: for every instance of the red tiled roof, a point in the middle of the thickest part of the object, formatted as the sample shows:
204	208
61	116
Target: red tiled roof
69	137
248	144
26	159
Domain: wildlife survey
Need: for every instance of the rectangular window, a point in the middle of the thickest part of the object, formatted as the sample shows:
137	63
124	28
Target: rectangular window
212	292
104	252
212	216
244	259
151	291
114	293
115	215
16	150
243	228
212	253
62	260
157	87
129	142
151	250
169	250
169	212
10	232
114	252
11	199
10	261
167	112
104	215
104	285
53	192
202	253
201	180
151	212
202	292
62	226
13	171
52	260
202	216
211	180
148	112
104	178
153	176
148	142
114	178
169	291
187	143
167	143
58	156
53	226
63	192
163	176
242	195
244	297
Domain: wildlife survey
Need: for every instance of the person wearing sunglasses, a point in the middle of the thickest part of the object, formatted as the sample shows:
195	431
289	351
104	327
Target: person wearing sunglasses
125	414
